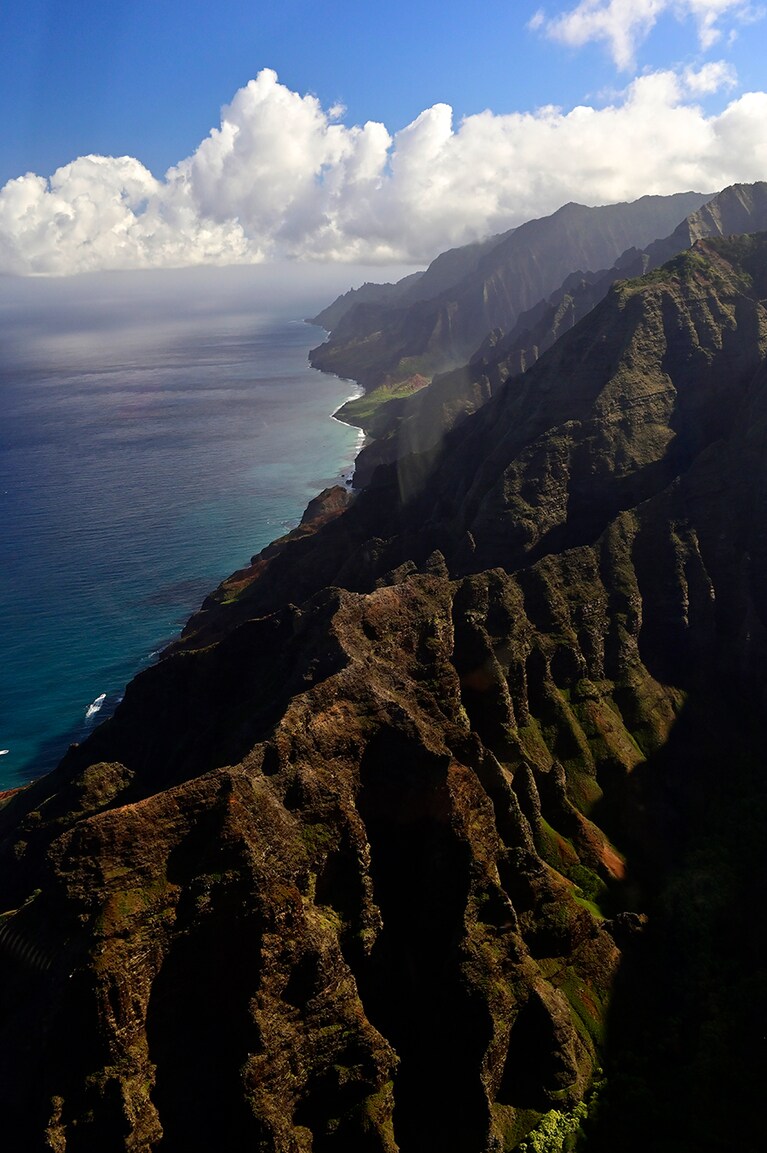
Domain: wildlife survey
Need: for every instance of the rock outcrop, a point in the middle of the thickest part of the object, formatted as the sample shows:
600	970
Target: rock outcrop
450	808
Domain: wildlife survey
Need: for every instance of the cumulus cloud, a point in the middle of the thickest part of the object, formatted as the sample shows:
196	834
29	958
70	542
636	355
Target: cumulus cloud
108	212
282	178
624	24
710	78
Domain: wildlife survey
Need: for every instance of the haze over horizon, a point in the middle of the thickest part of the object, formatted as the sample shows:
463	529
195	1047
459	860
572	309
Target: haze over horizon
602	100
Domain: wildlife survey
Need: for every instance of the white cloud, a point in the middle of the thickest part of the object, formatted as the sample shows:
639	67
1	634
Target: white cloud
106	212
709	78
624	24
621	23
282	179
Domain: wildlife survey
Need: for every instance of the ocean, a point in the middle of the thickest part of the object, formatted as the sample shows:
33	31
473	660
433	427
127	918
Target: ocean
156	430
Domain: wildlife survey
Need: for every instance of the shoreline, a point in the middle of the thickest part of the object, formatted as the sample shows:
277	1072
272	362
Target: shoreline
338	413
29	758
347	474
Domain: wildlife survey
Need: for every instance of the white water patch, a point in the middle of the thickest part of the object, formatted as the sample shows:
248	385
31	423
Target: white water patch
95	708
355	395
347	474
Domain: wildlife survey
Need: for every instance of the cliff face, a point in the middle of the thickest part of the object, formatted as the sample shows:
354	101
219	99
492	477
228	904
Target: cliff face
367	293
449	802
445	271
441	319
416	423
736	210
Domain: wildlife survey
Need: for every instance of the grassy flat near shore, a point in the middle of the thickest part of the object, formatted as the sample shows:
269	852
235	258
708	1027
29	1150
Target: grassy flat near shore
363	411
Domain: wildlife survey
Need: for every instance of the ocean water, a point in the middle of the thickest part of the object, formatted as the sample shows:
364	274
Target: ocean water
155	432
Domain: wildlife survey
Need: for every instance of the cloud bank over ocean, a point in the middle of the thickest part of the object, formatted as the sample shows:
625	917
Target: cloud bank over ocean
283	178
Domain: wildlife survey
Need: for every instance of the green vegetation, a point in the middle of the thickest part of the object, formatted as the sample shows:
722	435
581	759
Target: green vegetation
362	411
556	1132
317	837
562	1131
592	888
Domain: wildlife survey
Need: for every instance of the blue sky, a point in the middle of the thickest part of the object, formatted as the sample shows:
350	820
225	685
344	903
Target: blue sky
148	81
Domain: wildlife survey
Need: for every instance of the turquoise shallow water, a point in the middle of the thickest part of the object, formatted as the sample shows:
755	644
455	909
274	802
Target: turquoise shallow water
142	458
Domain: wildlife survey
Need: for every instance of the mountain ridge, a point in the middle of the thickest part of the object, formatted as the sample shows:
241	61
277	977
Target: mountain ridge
416	423
421	832
379	344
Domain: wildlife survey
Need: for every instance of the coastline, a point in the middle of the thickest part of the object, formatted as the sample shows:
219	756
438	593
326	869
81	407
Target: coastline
329	499
347	474
36	749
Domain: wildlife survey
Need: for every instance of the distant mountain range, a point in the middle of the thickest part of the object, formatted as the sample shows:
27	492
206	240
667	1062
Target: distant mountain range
415	419
386	334
443	826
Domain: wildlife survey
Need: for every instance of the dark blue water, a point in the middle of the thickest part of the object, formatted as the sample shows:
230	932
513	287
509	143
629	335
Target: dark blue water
147	449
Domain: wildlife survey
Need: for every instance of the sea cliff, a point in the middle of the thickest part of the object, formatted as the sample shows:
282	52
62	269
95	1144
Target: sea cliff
441	829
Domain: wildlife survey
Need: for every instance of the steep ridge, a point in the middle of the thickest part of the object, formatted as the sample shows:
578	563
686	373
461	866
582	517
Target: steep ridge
445	271
377	344
446	806
416	423
736	210
367	293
